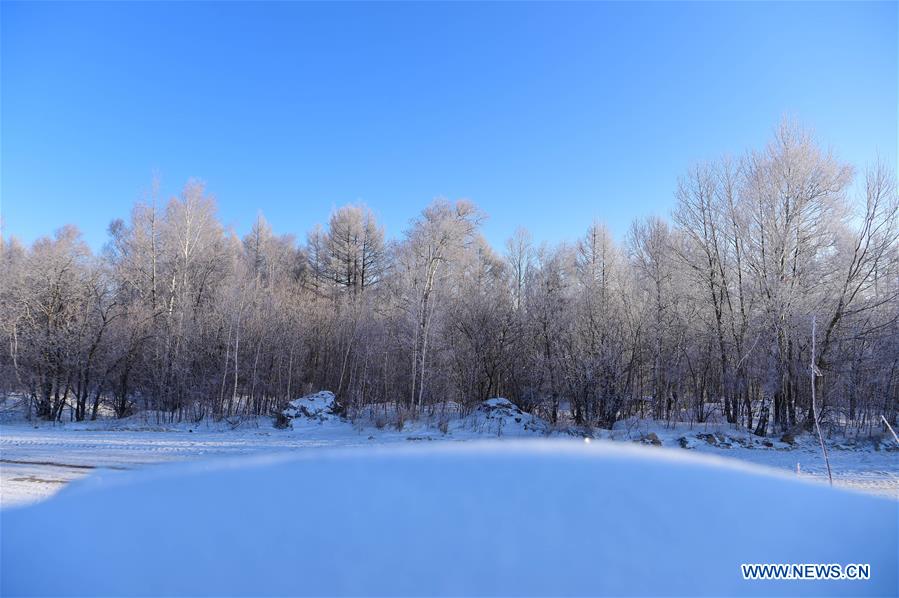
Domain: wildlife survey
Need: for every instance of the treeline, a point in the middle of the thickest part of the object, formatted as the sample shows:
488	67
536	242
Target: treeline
708	312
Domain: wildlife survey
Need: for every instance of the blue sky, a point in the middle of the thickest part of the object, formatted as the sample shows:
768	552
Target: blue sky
545	115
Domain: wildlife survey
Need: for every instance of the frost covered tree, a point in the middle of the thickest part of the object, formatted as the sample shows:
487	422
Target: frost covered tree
704	315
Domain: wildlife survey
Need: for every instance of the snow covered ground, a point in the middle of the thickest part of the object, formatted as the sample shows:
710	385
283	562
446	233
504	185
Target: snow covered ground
862	464
37	458
37	461
524	518
326	506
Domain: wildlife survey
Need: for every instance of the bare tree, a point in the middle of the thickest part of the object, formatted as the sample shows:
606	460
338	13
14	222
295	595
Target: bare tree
707	313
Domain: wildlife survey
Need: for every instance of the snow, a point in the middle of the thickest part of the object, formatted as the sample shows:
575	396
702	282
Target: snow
501	417
868	464
37	459
539	517
27	481
320	406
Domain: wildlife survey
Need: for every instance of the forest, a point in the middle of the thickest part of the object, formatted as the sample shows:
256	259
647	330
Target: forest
706	313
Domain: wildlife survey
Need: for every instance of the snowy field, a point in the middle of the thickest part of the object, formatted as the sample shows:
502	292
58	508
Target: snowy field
37	460
522	518
493	502
36	463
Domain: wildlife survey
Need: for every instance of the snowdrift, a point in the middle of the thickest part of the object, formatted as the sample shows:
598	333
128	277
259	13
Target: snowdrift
321	406
501	417
482	518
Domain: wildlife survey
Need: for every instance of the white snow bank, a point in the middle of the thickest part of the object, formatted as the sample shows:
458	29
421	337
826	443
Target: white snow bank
320	406
503	418
511	518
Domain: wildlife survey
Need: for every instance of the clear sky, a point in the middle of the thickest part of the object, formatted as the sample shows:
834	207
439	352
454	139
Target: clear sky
545	115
